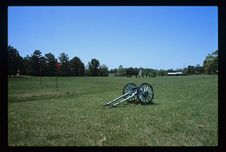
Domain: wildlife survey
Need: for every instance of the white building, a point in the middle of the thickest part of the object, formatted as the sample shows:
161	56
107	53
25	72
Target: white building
140	73
18	73
174	73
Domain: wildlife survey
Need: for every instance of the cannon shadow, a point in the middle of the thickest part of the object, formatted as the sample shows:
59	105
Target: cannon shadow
134	104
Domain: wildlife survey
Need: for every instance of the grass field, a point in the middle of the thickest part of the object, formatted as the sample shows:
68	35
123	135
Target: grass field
184	112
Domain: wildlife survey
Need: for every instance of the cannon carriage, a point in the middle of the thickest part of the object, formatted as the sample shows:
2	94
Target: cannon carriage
131	93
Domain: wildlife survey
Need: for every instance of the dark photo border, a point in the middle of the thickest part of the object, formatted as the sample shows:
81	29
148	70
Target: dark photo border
4	4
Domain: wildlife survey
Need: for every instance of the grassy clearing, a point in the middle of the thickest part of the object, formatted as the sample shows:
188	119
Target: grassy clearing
184	112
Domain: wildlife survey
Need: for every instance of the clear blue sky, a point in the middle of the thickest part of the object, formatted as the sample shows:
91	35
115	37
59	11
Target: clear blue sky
137	36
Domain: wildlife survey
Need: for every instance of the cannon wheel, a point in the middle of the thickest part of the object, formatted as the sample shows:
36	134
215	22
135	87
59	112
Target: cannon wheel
126	89
145	93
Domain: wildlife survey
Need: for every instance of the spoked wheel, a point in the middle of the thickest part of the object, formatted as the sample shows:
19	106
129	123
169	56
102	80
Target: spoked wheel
145	93
128	87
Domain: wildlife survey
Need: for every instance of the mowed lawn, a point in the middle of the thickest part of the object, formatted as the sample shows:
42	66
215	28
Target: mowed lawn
184	112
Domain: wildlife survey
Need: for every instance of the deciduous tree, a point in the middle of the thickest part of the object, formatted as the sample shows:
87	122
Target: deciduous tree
50	64
14	61
103	70
77	67
35	63
210	64
65	64
94	67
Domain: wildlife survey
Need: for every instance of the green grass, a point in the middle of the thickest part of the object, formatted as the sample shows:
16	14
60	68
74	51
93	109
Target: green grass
184	113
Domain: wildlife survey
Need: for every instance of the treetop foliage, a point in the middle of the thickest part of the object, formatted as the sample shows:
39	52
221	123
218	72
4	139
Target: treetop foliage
38	65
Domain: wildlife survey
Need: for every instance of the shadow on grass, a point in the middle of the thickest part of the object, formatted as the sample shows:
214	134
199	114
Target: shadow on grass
19	77
124	105
54	95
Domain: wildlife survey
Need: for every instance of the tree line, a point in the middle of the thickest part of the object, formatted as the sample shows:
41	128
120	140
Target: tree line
210	66
146	72
49	65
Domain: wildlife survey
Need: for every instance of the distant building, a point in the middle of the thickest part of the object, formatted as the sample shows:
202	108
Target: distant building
140	73
174	73
18	73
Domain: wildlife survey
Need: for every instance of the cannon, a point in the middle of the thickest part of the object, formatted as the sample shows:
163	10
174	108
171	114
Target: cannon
131	93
